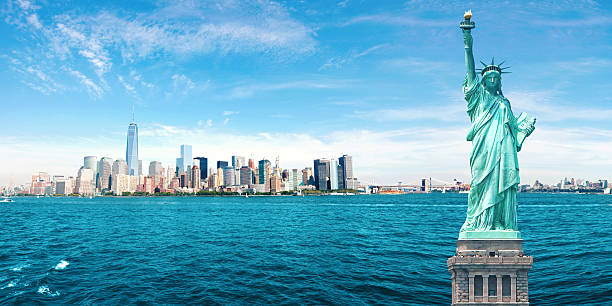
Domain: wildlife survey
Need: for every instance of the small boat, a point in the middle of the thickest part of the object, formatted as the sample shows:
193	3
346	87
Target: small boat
6	200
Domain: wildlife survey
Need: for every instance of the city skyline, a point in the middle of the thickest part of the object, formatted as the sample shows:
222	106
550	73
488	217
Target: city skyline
186	177
300	80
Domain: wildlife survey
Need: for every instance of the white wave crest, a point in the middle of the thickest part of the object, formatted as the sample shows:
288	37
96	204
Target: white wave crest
19	268
62	265
45	290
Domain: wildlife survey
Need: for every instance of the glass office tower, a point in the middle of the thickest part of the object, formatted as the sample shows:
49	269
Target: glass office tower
131	152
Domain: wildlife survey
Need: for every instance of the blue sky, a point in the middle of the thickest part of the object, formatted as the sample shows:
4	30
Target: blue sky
379	80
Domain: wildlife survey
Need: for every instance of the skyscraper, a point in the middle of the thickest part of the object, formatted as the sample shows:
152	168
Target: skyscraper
179	167
131	151
185	160
119	167
307	176
346	163
195	177
341	178
265	167
237	161
203	167
246	175
228	176
155	169
221	164
84	184
294	178
333	174
91	163
186	156
105	167
321	173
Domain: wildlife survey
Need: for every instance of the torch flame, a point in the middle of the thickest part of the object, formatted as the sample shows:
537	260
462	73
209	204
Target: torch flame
468	15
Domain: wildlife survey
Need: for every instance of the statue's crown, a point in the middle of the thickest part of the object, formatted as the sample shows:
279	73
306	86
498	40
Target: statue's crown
492	67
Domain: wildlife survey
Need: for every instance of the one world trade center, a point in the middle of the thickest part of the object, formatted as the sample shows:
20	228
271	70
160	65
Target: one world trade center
131	152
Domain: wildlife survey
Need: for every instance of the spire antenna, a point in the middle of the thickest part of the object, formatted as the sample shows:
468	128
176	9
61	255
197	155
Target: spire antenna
132	113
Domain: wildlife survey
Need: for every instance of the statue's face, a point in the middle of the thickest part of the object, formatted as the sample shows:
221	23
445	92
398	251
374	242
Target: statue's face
492	81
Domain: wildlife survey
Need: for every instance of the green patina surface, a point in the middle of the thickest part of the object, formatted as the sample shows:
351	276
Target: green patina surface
496	135
490	235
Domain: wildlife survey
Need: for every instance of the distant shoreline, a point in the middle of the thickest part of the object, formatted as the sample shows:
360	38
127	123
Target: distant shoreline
275	195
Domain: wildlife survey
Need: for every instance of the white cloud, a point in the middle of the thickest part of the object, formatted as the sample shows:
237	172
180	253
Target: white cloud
182	84
226	121
229	113
33	76
209	123
399	20
245	91
585	65
455	112
131	89
93	89
545	105
383	156
337	62
176	31
589	21
33	20
179	30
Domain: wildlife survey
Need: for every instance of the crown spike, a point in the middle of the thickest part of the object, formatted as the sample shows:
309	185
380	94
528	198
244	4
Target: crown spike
485	65
492	61
502	62
505	67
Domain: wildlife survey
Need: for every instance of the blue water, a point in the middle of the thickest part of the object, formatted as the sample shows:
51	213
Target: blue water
271	250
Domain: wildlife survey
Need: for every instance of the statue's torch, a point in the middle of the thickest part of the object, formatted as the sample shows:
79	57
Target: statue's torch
466	24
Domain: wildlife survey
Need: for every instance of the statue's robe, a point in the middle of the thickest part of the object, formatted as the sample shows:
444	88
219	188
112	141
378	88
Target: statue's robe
493	161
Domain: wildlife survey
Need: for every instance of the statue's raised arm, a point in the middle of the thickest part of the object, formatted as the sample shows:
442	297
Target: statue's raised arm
466	27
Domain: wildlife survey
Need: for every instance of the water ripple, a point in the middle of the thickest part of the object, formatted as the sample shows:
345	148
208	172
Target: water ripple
356	250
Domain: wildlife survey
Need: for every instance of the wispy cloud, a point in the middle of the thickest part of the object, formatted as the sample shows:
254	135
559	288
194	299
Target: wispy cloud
400	20
415	64
33	76
585	65
229	113
337	62
182	83
544	104
321	83
454	112
180	30
204	30
94	90
127	86
589	21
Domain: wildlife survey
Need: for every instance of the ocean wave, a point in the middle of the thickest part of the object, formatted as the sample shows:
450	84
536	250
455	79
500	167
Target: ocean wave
45	290
62	265
10	284
19	268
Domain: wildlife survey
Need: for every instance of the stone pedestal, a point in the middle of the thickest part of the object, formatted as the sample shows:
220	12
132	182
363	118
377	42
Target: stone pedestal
490	271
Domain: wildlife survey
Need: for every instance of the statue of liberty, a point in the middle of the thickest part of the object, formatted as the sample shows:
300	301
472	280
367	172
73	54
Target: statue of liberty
496	136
